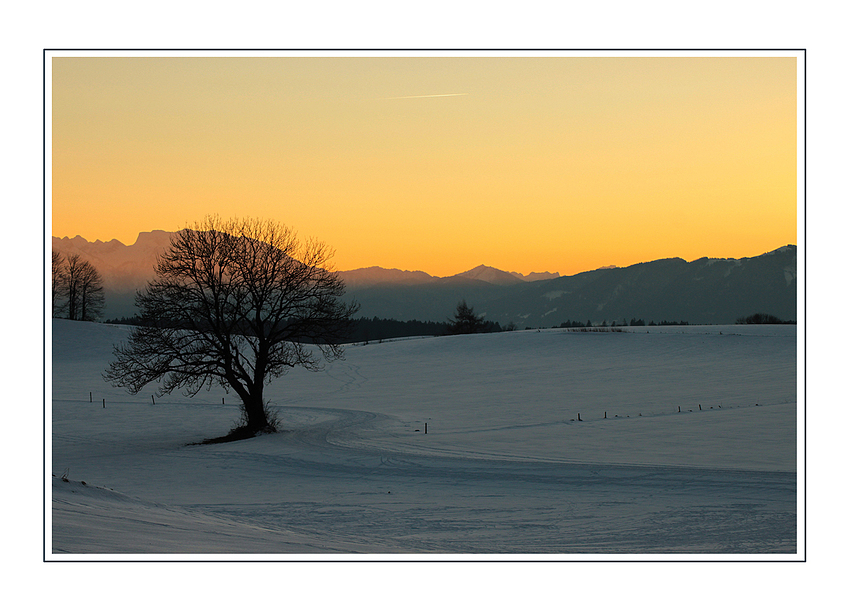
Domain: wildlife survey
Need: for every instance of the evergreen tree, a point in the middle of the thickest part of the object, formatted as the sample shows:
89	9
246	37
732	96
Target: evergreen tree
466	321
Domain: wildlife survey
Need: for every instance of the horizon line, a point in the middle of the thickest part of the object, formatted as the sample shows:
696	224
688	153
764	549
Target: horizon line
557	274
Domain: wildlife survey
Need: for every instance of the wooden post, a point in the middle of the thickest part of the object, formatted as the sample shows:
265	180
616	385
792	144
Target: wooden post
680	408
90	400
104	403
606	415
579	417
153	402
426	427
700	407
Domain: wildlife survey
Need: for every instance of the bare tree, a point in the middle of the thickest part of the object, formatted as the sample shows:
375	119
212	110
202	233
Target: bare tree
57	284
80	286
92	299
235	303
71	285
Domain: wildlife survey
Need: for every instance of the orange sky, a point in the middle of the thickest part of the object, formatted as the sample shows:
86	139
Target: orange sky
559	164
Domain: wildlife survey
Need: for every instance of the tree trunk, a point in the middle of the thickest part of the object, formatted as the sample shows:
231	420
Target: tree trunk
255	414
83	302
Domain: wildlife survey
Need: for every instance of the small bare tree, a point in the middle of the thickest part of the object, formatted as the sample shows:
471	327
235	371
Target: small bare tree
79	286
90	289
235	303
57	283
70	284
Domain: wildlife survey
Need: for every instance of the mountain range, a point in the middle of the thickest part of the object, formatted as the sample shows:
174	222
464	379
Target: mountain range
704	291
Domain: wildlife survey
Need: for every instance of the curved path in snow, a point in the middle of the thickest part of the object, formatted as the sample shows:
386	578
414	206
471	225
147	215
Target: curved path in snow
330	487
502	470
366	493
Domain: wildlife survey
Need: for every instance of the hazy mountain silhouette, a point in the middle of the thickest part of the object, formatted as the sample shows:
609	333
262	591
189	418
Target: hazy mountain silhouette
491	275
375	275
535	276
124	268
714	291
707	290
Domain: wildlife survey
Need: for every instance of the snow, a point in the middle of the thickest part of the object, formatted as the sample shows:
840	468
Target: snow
504	470
790	275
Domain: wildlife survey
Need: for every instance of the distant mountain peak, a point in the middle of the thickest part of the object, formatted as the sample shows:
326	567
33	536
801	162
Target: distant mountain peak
786	249
375	275
535	276
491	275
157	238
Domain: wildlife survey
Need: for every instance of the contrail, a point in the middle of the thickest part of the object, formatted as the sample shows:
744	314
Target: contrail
424	96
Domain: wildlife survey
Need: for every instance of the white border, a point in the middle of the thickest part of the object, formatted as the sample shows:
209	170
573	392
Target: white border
582	558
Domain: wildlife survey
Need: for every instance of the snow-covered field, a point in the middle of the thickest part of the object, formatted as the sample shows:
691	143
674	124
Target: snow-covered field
687	445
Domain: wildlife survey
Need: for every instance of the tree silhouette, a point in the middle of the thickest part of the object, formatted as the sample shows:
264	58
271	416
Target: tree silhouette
760	318
79	286
57	281
90	289
235	303
465	320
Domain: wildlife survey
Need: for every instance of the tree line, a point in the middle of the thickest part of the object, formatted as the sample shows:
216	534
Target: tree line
465	321
77	288
763	319
371	329
634	322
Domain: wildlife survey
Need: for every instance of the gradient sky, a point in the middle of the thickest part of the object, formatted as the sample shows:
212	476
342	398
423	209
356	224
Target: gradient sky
560	164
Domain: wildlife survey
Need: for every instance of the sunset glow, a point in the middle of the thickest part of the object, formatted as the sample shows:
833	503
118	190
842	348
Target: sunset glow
528	164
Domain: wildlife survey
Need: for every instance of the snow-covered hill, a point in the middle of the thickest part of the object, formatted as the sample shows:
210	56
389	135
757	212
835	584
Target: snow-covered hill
687	444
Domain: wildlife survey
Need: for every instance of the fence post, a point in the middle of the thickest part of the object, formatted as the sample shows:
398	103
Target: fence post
104	403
